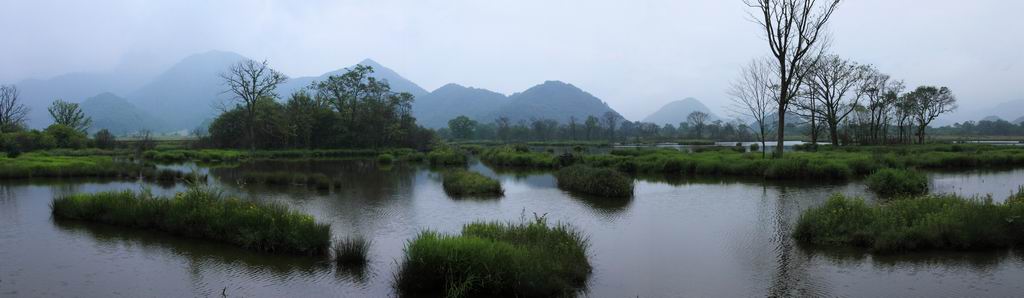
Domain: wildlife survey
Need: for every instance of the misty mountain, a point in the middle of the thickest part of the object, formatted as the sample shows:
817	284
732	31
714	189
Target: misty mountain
187	93
116	114
73	87
1019	120
433	110
1005	110
551	100
677	111
396	81
991	118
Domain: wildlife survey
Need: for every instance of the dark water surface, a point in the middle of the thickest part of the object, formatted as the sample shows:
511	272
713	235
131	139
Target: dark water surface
680	237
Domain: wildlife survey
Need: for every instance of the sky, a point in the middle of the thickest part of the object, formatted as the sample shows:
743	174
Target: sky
635	55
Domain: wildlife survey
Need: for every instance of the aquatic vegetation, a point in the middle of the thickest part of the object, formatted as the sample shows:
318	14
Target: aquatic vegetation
203	213
35	165
491	259
447	156
351	252
944	222
385	158
235	155
318	181
601	182
460	183
274	178
894	182
510	156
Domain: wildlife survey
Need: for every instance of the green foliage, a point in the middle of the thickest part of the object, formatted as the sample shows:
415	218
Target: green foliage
385	158
894	182
67	137
70	115
460	183
447	156
103	139
232	155
595	181
496	260
351	252
944	222
462	127
36	165
511	156
203	213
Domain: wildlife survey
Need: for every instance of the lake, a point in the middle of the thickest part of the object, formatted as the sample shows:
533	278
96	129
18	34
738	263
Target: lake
678	237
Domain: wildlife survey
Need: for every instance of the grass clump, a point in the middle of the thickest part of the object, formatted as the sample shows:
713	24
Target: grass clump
511	156
944	222
460	183
203	213
447	156
351	252
496	260
896	182
40	165
318	181
385	158
601	182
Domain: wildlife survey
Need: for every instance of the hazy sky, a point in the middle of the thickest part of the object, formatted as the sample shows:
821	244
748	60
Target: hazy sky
636	55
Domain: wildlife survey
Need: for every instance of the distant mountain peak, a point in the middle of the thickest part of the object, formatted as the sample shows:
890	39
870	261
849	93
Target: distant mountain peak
676	111
369	62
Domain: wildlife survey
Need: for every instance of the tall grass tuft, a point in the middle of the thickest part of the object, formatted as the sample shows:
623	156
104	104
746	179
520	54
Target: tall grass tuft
351	252
943	222
203	213
895	182
447	156
385	158
595	181
461	183
491	259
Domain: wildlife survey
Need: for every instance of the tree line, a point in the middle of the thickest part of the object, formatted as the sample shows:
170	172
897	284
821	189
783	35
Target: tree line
69	128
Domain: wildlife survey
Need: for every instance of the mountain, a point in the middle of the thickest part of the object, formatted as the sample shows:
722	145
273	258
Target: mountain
991	118
38	94
1019	120
551	100
1006	110
433	110
108	111
677	111
396	81
187	93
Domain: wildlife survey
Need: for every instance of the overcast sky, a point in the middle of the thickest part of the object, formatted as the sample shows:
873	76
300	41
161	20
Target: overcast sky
636	55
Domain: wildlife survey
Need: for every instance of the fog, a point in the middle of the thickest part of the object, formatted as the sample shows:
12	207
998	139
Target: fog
636	55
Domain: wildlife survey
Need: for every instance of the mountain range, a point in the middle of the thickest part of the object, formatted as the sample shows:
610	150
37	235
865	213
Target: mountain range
676	112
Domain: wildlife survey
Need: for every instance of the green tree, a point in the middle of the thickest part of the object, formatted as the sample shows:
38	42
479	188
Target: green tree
249	82
462	127
66	136
104	139
69	114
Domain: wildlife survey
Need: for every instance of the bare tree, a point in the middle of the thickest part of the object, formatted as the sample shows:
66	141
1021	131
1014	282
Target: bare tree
611	119
591	125
832	83
753	97
249	81
12	112
69	114
697	120
572	127
882	94
929	103
795	31
504	128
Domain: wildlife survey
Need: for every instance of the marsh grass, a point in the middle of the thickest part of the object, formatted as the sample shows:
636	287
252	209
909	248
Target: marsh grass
933	222
352	252
234	155
385	158
600	182
462	183
447	156
897	182
203	213
493	259
318	181
510	156
37	165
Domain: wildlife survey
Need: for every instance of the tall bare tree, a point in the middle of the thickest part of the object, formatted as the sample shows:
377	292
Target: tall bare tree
832	82
882	93
697	120
250	81
753	97
795	31
930	103
69	114
13	113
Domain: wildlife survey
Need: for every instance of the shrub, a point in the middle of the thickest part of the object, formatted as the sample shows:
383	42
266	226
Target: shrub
351	252
203	213
929	222
67	137
512	156
385	158
460	183
104	139
447	156
496	260
595	181
893	182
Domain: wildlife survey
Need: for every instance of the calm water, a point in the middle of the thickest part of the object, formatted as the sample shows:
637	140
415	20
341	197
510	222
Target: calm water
678	237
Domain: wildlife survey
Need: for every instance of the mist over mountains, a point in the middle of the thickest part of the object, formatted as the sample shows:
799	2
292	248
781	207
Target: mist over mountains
190	92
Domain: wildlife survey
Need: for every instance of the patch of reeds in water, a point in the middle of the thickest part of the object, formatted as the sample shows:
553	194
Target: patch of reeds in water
462	183
203	213
352	252
897	182
602	182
